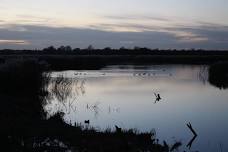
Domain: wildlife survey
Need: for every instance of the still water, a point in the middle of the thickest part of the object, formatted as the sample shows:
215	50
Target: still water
126	96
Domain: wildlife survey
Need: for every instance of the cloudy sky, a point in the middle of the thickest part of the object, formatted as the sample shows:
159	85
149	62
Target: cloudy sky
177	24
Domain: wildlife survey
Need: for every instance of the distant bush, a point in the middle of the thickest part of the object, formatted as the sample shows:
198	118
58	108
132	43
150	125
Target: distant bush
218	74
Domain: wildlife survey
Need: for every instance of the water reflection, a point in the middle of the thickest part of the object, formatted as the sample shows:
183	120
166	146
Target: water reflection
63	94
203	74
61	88
189	145
94	108
113	110
125	97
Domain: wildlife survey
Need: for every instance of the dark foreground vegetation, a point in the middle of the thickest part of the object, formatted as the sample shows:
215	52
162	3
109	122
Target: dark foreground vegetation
25	126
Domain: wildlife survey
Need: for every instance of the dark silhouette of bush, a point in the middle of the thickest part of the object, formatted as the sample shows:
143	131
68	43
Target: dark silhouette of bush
22	76
218	75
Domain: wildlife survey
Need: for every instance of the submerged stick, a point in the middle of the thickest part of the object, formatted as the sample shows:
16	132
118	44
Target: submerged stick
189	145
191	129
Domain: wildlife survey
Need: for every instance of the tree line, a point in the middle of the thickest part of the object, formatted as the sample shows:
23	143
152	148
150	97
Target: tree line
90	50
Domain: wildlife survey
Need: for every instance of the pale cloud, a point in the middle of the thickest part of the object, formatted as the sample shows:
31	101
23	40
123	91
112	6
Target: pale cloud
31	19
14	42
135	17
184	36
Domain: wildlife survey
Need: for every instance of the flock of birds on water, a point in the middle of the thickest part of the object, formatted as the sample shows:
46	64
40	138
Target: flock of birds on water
135	74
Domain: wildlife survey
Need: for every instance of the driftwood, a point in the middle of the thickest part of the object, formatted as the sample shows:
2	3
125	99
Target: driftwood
191	129
189	145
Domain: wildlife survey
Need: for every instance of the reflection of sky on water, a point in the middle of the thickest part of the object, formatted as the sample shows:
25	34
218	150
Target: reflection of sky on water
125	97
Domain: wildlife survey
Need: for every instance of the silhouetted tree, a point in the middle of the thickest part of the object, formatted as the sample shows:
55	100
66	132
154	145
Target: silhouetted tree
122	48
64	48
50	49
61	48
90	47
68	48
137	48
107	49
76	49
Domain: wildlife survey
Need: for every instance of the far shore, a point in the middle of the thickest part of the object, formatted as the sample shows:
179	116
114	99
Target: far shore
96	59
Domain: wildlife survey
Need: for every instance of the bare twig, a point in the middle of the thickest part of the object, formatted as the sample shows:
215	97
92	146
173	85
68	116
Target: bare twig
189	145
191	129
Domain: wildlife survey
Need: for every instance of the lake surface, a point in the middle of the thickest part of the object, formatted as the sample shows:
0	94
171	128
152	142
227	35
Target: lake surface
125	96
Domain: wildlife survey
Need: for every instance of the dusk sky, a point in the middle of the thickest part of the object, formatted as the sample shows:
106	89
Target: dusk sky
29	24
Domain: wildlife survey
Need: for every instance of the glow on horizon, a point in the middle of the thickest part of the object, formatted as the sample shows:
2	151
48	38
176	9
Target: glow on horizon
79	13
